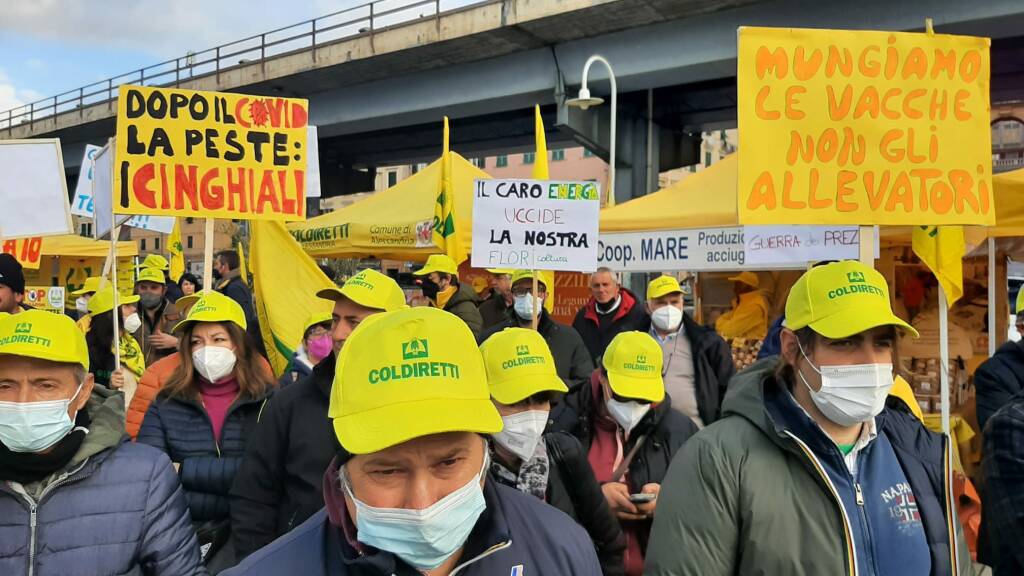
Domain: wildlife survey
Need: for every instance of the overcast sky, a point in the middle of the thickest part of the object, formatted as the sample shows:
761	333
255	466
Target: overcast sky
52	46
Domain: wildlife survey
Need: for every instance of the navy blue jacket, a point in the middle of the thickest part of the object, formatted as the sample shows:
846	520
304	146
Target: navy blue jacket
182	429
516	535
998	380
920	458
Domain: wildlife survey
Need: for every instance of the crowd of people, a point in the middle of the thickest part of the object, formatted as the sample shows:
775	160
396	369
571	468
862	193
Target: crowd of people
471	436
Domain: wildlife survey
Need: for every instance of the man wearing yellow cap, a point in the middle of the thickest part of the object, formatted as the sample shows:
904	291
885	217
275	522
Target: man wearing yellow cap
159	316
91	285
749	315
494	309
572	359
810	470
630	432
158	262
440	283
75	498
279	483
409	493
697	362
553	467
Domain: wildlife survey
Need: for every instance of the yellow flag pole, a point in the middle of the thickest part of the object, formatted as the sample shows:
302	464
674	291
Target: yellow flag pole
208	254
536	313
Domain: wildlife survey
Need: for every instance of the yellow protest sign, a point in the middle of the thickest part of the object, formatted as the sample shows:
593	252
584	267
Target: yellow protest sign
852	127
210	154
27	251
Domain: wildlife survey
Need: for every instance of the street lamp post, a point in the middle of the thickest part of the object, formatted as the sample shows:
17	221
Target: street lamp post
584	100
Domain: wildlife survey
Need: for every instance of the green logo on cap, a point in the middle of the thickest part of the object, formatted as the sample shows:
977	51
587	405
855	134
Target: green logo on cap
522	350
640	365
415	348
22	335
23	328
855	277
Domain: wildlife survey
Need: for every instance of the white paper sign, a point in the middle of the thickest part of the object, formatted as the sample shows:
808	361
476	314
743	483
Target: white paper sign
535	225
33	189
802	244
312	163
81	205
103	198
694	250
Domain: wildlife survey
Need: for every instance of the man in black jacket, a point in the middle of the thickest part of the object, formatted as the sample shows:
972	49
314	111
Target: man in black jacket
231	284
697	362
278	485
572	360
627	427
494	309
610	311
999	379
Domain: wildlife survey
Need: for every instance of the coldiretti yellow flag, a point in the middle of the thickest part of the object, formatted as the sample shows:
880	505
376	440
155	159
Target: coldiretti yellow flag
540	172
243	269
285	283
444	209
177	263
941	248
540	163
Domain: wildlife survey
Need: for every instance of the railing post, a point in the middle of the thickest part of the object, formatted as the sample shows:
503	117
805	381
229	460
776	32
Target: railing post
372	4
177	72
110	94
263	53
313	23
31	116
54	105
217	60
81	102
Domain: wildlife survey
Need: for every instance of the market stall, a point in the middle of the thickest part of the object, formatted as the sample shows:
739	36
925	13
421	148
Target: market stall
66	262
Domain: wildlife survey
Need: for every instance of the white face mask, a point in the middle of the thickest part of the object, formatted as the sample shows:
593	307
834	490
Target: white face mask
523	305
522	433
132	322
82	304
627	414
850	394
35	426
667	318
214	362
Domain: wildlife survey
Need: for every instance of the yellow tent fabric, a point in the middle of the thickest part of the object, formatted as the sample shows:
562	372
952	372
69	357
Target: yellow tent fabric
396	223
285	283
81	247
704	199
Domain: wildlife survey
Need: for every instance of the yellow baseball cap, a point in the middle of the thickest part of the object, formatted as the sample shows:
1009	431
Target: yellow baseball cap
155	261
317	318
213	307
841	299
406	374
661	286
633	362
92	284
543	276
44	335
748	278
439	263
519	364
368	288
151	275
1020	302
103	300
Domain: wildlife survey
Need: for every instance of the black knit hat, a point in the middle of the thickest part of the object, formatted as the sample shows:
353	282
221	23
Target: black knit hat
11	274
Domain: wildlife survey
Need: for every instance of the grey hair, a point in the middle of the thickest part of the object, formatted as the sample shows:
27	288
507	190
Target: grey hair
605	269
80	374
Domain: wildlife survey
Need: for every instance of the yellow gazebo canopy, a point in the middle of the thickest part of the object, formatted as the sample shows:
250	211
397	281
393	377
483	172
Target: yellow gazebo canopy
708	199
396	223
81	247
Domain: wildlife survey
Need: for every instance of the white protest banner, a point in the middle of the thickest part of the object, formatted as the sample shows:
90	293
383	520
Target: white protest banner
535	225
802	244
33	189
81	205
102	180
312	163
694	250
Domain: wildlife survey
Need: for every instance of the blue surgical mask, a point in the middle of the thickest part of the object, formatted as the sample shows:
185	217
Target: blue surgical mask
523	305
425	538
35	426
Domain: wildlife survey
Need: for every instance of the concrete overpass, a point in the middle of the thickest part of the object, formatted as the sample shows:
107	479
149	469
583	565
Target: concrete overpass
379	81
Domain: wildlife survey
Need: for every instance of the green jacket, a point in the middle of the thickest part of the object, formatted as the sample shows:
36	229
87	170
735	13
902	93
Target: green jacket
742	497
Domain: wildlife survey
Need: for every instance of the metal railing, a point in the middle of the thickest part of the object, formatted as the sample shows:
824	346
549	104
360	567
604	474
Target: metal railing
362	20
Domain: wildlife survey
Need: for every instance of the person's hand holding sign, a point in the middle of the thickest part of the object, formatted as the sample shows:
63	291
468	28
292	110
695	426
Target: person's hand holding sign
117	379
163	341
